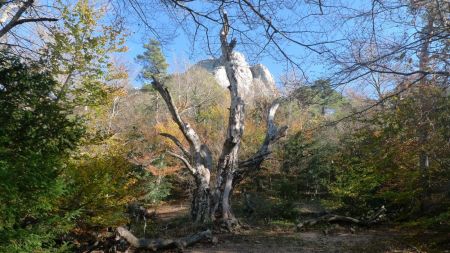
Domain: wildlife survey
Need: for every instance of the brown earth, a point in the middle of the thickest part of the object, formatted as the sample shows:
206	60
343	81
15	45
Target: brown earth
272	238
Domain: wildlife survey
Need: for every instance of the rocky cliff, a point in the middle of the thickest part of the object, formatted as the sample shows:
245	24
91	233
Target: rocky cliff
254	82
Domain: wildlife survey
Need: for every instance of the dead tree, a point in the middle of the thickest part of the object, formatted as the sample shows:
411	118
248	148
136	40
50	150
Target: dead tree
215	202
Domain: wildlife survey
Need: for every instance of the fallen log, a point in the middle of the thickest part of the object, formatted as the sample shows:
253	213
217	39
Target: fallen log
333	218
157	244
329	218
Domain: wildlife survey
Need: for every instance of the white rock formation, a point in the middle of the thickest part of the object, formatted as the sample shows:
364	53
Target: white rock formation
254	82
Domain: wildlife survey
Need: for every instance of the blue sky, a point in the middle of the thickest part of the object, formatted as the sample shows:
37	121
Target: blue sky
179	52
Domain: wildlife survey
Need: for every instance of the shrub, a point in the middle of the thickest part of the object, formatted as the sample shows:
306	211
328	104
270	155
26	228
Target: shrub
36	135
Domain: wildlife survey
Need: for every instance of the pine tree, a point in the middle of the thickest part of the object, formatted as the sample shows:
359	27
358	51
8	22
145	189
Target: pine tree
153	61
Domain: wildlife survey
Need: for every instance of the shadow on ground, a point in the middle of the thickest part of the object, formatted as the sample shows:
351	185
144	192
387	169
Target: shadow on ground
172	221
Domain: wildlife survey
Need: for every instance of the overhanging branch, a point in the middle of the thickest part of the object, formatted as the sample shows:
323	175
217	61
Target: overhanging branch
13	22
29	20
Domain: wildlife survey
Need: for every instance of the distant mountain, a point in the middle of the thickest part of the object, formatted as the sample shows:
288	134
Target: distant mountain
254	82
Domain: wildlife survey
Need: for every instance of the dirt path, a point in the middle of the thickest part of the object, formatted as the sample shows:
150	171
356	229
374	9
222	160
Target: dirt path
273	239
172	210
370	241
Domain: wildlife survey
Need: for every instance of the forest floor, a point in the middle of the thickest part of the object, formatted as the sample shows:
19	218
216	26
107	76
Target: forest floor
281	237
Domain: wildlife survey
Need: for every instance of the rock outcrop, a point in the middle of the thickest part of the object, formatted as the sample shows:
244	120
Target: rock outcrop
254	82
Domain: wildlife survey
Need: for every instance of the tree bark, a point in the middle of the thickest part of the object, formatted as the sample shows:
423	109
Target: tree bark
228	160
201	201
230	171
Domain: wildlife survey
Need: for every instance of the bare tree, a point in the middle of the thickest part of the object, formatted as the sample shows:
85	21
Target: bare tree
213	201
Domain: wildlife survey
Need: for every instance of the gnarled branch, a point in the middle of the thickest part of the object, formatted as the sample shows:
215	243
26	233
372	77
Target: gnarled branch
273	133
30	20
188	132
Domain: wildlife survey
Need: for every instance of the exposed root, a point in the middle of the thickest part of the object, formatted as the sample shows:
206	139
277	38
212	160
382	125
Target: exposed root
228	225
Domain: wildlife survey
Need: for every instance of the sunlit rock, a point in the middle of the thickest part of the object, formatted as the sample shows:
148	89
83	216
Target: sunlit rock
254	82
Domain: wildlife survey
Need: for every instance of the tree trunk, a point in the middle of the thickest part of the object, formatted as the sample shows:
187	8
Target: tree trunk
200	209
222	211
228	161
424	57
230	170
227	165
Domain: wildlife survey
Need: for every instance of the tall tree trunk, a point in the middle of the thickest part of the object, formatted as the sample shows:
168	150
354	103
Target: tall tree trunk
229	159
230	170
423	126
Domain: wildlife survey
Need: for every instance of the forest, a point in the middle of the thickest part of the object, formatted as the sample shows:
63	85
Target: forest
224	126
